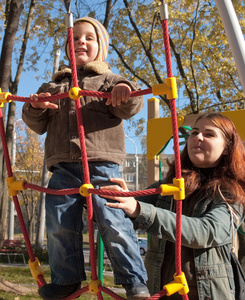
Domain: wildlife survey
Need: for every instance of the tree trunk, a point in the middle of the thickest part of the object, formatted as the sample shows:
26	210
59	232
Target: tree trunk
13	15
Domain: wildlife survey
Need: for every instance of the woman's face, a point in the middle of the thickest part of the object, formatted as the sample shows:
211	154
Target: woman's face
206	144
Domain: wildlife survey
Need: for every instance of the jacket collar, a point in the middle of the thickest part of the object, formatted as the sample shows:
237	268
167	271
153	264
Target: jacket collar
98	67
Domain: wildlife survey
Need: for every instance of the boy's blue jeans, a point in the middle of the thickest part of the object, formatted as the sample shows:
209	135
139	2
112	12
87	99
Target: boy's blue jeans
65	225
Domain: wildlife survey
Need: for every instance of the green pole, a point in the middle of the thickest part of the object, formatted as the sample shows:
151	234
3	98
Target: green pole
100	257
160	168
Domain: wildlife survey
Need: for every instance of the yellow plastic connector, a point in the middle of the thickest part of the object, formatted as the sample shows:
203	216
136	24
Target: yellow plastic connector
177	189
178	285
14	186
35	268
94	286
74	93
83	190
169	88
4	97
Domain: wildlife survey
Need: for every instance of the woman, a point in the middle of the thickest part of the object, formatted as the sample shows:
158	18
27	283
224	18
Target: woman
213	169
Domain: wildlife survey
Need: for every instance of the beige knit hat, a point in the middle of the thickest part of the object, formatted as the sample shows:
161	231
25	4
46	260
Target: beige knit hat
102	34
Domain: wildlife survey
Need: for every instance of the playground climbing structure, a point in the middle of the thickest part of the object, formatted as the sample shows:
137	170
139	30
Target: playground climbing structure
176	189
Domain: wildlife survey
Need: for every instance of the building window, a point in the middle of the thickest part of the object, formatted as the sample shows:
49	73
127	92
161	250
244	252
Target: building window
129	163
129	178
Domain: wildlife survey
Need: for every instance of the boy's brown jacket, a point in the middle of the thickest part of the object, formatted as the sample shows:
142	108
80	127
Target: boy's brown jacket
103	125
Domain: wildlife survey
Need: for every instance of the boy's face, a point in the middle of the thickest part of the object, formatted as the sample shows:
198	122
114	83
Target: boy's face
86	44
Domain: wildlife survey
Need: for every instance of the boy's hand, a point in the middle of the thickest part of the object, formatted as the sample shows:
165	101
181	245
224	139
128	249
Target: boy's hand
119	94
42	105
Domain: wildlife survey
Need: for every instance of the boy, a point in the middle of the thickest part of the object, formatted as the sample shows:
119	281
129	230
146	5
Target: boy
104	137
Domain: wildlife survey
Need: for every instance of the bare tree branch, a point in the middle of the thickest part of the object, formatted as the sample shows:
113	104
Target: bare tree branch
195	106
181	70
146	50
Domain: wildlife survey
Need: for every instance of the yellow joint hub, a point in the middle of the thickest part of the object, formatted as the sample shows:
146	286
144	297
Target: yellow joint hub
35	268
83	190
14	186
74	93
178	285
177	189
169	88
4	97
94	286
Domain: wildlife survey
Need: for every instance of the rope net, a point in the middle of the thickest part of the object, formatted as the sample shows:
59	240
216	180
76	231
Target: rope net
75	94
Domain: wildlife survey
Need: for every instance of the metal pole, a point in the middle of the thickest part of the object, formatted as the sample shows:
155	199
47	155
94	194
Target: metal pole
136	172
136	165
234	35
57	57
152	164
11	202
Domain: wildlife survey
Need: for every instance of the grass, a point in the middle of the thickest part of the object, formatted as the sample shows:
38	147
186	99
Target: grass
22	276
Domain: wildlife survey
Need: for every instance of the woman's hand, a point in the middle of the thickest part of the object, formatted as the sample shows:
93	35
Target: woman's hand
128	204
42	105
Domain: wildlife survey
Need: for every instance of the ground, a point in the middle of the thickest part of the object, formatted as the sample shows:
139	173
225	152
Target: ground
10	287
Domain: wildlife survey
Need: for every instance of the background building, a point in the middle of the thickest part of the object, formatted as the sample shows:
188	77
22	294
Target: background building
134	170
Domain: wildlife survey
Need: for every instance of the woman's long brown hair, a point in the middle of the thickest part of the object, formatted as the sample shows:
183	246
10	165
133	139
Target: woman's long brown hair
229	176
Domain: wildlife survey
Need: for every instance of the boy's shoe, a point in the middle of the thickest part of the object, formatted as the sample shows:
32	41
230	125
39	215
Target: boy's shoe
136	291
54	291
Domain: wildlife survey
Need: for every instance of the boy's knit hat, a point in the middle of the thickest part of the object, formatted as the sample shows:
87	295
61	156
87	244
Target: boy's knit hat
102	34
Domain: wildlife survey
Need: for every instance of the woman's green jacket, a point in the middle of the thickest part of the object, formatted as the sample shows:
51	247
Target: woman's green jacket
208	232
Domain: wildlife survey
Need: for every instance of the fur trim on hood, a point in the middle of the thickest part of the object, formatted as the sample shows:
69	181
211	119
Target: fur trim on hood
99	67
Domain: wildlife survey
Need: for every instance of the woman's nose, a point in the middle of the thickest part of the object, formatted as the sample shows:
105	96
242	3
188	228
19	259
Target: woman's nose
199	136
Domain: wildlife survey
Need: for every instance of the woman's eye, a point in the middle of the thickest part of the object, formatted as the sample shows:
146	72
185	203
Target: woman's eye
194	133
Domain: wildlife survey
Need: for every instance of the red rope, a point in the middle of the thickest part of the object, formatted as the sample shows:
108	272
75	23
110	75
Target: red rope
72	56
83	155
100	192
172	101
51	191
110	293
41	280
81	93
43	99
77	293
158	295
125	194
176	151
